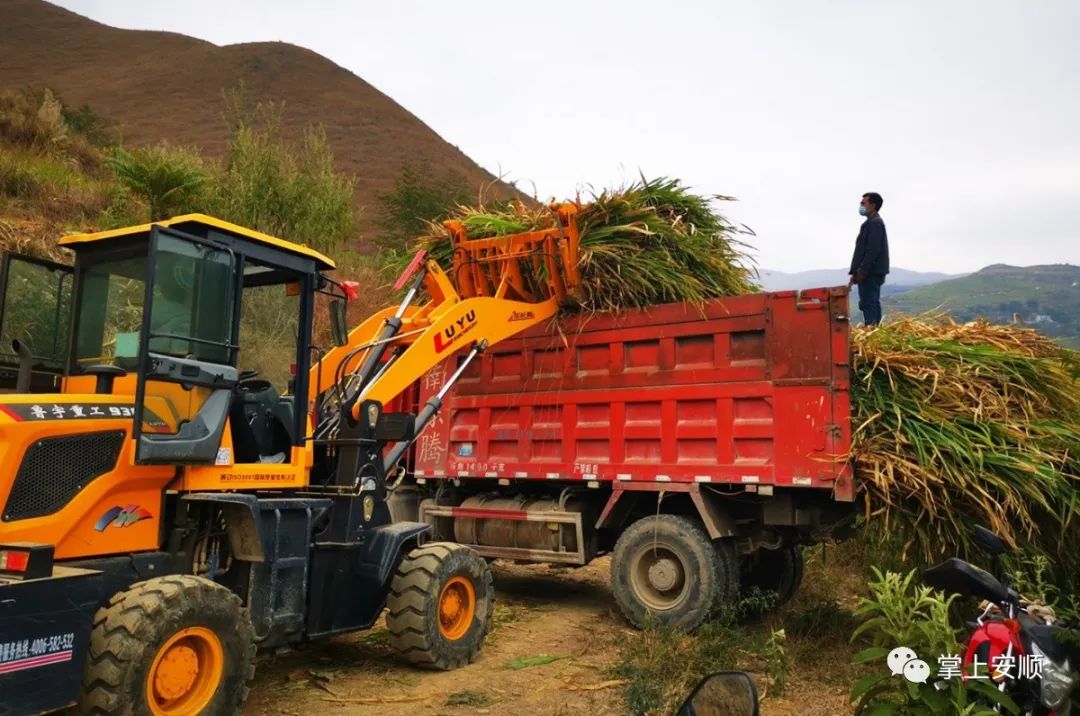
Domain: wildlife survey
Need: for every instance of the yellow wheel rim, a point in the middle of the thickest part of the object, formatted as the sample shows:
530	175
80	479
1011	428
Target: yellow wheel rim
457	605
185	673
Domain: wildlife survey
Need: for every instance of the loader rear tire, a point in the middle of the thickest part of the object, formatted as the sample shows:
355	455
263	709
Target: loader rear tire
666	571
440	606
170	646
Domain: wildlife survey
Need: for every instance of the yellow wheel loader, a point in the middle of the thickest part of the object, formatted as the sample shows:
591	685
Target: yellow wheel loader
166	510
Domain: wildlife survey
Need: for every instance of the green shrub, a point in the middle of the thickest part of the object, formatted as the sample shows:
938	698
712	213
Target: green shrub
420	195
775	655
661	665
85	121
170	180
295	194
17	181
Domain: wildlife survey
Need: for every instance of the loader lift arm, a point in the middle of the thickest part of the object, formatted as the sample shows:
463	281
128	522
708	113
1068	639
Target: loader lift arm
498	287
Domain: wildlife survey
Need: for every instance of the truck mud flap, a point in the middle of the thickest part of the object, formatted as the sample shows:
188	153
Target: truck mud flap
44	638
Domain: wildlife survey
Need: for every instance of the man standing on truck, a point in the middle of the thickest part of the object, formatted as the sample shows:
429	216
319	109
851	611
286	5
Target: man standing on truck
870	263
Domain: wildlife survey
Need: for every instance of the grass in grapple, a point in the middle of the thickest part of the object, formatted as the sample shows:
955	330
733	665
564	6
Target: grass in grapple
962	424
651	242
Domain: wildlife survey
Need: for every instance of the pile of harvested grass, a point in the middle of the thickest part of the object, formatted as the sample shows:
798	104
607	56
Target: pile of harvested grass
651	242
962	424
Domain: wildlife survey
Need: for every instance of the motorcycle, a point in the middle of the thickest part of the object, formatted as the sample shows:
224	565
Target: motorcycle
723	693
1011	632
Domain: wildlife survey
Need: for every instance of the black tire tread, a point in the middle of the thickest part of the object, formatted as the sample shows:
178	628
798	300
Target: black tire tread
413	590
115	639
718	578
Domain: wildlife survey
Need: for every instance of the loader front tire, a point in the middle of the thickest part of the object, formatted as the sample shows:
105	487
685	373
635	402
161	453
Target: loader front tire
440	606
170	646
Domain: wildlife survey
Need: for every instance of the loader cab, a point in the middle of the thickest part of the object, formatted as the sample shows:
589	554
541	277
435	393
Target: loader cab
205	324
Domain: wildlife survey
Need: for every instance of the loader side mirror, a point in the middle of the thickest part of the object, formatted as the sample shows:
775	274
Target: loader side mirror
339	328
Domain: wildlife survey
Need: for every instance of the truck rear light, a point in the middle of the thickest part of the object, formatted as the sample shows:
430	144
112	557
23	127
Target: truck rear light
14	561
25	560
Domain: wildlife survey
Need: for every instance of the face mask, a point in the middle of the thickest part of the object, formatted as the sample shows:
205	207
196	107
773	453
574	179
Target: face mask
862	210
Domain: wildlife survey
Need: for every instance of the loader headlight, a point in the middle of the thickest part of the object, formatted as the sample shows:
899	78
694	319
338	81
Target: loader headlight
1056	681
372	416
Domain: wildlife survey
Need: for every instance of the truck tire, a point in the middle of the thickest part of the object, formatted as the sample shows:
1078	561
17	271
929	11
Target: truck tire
779	571
440	606
169	646
665	568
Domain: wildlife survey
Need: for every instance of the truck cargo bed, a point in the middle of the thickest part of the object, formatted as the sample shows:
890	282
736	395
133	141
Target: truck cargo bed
750	390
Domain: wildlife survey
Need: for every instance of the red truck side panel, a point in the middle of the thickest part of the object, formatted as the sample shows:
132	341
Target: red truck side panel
747	390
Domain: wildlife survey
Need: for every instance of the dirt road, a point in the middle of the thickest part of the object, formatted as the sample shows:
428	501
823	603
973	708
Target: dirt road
556	637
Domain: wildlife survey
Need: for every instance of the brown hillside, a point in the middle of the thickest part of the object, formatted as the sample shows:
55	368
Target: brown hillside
164	86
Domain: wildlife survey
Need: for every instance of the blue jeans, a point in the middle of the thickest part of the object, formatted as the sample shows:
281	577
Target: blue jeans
870	299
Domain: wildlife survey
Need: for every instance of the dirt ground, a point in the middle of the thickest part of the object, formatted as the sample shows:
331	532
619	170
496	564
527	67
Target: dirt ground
564	617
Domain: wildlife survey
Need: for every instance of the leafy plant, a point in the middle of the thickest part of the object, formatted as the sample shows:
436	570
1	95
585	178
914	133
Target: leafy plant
776	657
901	613
169	180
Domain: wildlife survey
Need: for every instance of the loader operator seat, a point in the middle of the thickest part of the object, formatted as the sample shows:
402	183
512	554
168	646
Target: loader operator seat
261	421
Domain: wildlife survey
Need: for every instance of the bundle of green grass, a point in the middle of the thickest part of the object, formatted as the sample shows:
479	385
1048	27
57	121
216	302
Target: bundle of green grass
963	424
652	242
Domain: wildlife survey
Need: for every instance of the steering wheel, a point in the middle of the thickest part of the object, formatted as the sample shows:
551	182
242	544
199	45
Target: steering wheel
252	384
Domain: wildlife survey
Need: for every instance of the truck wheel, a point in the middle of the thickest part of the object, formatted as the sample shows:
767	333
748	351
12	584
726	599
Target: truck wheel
667	567
440	606
171	646
779	571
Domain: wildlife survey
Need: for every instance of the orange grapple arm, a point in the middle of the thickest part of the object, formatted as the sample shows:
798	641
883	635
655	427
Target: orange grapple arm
498	287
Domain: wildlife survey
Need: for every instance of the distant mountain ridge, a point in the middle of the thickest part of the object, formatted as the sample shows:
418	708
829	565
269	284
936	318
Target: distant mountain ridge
771	280
1047	297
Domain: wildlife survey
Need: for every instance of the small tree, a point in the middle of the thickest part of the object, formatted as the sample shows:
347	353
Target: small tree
292	193
419	195
169	180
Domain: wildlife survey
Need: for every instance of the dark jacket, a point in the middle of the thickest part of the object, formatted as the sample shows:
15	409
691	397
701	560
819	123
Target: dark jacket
871	249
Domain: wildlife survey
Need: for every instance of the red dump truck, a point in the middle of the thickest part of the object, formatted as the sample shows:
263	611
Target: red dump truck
701	445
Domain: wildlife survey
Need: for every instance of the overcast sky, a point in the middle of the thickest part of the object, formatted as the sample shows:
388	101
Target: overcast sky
965	115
